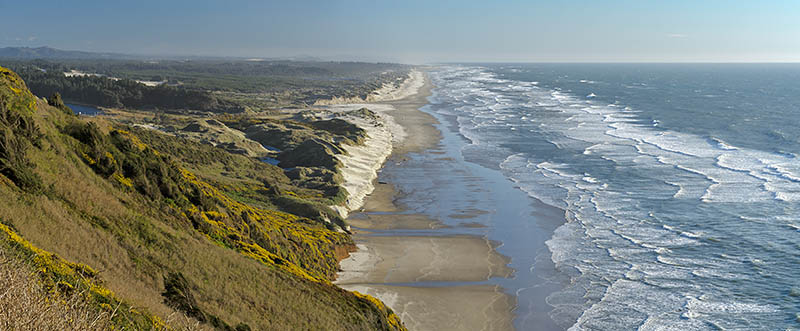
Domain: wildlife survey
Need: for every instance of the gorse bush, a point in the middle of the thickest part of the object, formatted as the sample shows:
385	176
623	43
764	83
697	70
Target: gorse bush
18	131
57	280
122	157
273	237
56	101
26	304
178	293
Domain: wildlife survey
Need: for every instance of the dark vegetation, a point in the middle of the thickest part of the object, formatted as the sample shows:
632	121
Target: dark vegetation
18	132
178	294
56	101
46	79
248	180
308	150
197	234
236	85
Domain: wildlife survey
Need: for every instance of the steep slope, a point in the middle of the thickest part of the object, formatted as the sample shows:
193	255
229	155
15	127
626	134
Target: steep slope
34	308
165	241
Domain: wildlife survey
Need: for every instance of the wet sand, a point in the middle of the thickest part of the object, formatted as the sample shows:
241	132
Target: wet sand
469	307
410	259
433	279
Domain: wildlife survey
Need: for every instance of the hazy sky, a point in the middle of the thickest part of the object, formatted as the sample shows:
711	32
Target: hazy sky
417	31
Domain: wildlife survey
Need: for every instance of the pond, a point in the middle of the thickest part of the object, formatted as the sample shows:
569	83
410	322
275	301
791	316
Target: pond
84	110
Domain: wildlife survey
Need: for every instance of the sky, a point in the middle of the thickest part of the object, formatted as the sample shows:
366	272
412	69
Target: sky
412	31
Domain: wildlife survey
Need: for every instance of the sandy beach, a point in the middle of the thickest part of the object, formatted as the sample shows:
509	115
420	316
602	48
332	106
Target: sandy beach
362	162
433	280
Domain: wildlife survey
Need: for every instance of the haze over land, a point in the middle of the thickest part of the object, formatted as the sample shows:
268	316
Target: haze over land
418	31
395	166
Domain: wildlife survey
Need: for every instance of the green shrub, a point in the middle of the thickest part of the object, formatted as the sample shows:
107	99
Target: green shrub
17	133
56	101
178	294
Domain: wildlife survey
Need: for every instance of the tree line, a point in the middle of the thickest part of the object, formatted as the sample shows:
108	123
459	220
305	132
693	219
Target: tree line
121	93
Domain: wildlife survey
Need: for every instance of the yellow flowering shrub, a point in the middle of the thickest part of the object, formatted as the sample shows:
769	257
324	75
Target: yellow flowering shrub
59	275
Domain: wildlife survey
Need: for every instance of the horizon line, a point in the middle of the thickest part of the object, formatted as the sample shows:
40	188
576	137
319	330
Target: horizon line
329	58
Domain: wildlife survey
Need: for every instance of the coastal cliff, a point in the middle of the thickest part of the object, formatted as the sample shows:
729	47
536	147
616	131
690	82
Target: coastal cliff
153	231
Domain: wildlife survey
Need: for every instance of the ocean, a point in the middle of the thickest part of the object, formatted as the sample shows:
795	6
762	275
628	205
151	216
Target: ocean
677	185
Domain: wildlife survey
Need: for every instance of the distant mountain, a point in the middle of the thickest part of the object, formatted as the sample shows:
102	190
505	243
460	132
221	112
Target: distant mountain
45	52
49	53
53	53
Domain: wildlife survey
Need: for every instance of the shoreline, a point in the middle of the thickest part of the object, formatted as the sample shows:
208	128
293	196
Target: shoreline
362	163
430	278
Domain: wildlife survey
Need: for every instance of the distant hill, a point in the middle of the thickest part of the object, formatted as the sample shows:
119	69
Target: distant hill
45	52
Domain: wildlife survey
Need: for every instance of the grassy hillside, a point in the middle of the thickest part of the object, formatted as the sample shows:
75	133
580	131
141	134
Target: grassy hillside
98	209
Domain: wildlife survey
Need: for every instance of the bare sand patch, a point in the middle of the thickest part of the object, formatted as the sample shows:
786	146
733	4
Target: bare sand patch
471	307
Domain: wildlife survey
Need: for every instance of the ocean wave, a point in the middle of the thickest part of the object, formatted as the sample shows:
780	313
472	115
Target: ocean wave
719	143
637	200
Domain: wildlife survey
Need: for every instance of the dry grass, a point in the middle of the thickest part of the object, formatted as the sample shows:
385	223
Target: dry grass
25	304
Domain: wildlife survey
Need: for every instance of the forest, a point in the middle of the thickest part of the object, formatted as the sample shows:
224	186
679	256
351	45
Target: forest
44	79
225	85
